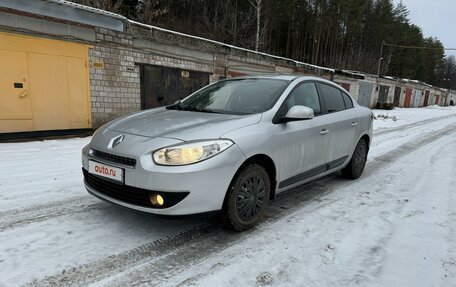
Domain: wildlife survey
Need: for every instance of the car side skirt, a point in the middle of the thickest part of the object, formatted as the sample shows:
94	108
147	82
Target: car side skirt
312	172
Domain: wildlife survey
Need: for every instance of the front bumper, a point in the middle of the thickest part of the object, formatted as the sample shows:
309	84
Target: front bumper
130	195
195	188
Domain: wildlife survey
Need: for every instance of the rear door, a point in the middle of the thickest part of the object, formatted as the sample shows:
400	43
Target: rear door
344	123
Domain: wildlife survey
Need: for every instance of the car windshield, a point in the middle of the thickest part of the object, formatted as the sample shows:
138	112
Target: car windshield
240	96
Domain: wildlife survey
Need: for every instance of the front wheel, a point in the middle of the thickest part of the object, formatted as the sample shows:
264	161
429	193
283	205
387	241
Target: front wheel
355	167
247	198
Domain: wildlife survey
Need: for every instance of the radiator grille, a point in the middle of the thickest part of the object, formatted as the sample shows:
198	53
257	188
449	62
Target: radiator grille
114	158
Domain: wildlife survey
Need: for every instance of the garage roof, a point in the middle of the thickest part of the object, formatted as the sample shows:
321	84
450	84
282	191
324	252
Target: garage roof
69	11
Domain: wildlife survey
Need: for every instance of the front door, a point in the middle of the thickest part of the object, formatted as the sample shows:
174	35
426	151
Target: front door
301	147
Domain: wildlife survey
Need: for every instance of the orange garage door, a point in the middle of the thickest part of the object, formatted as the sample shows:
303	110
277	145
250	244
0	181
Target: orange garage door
44	84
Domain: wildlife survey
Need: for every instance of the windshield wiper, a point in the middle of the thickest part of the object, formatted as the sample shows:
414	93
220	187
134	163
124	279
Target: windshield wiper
192	109
178	106
175	106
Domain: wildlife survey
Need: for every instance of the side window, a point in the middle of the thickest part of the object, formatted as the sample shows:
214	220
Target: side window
305	95
348	101
333	98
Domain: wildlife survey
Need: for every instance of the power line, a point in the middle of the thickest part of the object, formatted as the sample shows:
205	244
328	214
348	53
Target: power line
417	47
406	47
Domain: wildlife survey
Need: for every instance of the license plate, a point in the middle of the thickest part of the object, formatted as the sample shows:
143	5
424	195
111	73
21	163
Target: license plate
106	171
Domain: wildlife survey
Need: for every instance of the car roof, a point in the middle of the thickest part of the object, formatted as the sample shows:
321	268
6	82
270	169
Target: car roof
287	77
291	78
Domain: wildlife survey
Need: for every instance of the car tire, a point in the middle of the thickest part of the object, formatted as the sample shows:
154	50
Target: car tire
355	167
247	198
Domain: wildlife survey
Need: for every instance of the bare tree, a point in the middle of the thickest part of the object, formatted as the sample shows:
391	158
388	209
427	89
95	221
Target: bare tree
257	6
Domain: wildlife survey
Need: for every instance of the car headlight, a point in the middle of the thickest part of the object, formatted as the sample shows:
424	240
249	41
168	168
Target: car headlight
190	152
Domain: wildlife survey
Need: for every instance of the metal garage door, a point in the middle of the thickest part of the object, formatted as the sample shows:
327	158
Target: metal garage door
44	84
365	93
383	94
397	96
408	97
15	103
417	98
163	85
426	99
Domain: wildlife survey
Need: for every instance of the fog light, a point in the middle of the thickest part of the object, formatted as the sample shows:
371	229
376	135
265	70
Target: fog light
157	200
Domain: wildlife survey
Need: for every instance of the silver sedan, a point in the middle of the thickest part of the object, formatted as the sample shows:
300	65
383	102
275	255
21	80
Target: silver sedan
230	146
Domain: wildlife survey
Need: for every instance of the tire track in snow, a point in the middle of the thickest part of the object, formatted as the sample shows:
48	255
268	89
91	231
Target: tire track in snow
153	263
202	239
412	125
38	213
407	148
449	265
372	267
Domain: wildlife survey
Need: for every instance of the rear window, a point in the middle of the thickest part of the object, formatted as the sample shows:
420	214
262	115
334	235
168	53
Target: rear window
347	100
333	98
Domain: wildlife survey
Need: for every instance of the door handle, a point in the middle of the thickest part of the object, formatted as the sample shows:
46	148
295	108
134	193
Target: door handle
354	124
324	131
23	94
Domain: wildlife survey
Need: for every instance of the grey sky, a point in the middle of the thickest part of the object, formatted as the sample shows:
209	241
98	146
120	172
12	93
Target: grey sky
436	18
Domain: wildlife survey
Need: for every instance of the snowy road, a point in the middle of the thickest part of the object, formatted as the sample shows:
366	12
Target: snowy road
395	226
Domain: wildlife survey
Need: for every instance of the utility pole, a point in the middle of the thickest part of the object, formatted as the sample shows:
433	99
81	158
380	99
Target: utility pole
380	59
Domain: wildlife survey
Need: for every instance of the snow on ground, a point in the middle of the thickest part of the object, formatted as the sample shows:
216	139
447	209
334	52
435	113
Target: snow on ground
395	226
33	172
41	182
402	116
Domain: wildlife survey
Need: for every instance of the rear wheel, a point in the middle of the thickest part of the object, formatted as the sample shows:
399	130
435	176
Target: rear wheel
247	198
355	167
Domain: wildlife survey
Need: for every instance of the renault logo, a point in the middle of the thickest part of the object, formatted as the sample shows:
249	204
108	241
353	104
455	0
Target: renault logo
115	141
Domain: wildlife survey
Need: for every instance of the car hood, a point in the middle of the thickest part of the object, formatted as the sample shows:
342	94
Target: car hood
182	125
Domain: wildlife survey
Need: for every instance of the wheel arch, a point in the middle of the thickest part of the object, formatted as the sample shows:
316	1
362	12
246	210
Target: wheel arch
367	139
267	163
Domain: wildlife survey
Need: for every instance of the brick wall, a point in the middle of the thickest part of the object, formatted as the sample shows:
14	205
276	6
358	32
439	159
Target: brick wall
115	70
114	78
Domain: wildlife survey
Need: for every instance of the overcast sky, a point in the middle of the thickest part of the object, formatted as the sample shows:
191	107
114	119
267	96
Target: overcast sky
437	18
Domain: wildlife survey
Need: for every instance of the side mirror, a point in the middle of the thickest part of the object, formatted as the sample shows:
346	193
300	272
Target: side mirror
298	113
